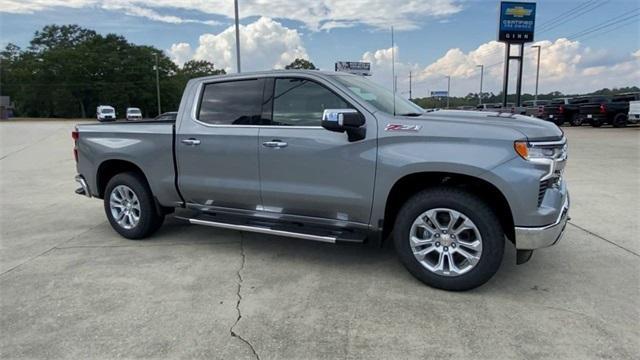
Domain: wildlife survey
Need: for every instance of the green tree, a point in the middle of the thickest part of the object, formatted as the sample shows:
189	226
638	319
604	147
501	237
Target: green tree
198	68
68	71
301	64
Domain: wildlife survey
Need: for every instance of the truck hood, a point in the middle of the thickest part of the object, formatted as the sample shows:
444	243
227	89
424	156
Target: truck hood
532	128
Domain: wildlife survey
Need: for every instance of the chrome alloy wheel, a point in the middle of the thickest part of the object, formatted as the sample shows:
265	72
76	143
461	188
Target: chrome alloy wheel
125	206
445	242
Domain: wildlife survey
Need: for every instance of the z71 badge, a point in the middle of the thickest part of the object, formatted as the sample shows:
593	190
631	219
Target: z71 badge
401	127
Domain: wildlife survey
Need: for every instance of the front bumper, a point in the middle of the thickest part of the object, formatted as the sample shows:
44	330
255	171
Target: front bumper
531	238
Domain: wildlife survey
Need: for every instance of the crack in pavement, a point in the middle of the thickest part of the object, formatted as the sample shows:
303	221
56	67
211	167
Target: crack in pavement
239	295
604	239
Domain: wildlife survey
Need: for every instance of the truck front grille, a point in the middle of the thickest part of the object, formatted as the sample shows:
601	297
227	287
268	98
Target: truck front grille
544	185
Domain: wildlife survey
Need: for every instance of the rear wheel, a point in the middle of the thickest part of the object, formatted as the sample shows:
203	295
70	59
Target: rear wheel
130	206
596	123
449	239
620	120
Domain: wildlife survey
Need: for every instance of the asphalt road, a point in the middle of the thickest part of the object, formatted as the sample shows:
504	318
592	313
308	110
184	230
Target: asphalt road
70	287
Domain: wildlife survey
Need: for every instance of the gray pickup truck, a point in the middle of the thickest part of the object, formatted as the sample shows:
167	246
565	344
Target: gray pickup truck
336	158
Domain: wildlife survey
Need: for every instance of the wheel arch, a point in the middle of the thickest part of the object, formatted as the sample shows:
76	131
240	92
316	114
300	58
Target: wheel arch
410	184
112	167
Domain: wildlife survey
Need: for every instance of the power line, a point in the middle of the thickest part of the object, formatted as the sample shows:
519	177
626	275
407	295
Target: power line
611	22
585	10
561	15
632	21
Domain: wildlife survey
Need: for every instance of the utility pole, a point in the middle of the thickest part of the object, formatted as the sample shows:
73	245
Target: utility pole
448	89
481	77
158	83
237	37
537	72
410	97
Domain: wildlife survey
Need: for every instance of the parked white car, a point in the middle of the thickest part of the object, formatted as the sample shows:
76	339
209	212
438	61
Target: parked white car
634	112
134	113
105	113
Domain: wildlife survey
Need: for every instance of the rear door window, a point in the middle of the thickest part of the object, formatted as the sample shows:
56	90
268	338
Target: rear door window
236	102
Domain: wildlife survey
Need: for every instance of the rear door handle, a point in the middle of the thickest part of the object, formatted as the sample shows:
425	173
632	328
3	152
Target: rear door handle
275	144
190	141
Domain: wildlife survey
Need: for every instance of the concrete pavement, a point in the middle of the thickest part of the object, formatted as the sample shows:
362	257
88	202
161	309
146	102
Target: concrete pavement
70	287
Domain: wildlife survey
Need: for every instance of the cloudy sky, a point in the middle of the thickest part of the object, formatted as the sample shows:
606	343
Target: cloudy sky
586	44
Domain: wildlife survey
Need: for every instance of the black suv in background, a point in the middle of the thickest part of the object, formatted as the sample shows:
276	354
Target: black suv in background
604	110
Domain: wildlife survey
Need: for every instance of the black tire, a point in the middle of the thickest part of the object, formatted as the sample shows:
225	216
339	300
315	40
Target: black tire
575	120
149	220
596	123
473	208
558	122
620	120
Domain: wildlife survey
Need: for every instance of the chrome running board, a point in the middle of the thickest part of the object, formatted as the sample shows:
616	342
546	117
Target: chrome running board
264	230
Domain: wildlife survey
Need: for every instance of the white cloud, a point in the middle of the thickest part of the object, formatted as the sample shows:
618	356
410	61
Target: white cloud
264	44
565	66
134	10
315	15
180	53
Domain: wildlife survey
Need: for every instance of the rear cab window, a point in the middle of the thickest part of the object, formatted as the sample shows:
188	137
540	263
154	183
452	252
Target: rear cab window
233	102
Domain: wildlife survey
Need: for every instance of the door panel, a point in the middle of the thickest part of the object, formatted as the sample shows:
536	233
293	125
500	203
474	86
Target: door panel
307	170
222	170
319	174
216	146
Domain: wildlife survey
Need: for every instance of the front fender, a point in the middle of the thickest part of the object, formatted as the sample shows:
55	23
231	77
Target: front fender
401	156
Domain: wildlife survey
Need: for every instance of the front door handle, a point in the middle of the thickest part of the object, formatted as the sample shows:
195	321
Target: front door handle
190	141
275	144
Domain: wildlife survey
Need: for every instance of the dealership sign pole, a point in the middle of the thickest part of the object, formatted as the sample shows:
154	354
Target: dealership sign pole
517	24
237	37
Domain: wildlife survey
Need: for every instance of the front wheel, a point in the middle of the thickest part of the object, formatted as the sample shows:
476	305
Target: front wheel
449	239
130	206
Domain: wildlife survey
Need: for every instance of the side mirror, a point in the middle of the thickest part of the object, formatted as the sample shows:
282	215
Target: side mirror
345	120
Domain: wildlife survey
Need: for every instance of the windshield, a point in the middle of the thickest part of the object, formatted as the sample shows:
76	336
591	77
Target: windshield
378	96
133	111
106	111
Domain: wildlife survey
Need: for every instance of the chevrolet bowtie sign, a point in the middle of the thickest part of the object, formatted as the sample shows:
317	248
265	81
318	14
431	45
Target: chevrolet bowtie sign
517	22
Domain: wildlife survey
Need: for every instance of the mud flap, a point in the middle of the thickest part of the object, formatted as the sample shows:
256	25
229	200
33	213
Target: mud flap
522	256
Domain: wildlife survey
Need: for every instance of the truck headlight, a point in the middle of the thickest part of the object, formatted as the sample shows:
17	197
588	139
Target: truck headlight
532	151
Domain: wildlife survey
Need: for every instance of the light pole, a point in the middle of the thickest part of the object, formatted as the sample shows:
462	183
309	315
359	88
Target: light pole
448	89
481	77
393	70
158	83
237	37
537	72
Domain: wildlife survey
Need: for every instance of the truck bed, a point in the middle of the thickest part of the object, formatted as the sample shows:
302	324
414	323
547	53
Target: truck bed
148	145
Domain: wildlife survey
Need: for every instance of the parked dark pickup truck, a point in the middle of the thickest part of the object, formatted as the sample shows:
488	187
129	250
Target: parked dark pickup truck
608	110
563	110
